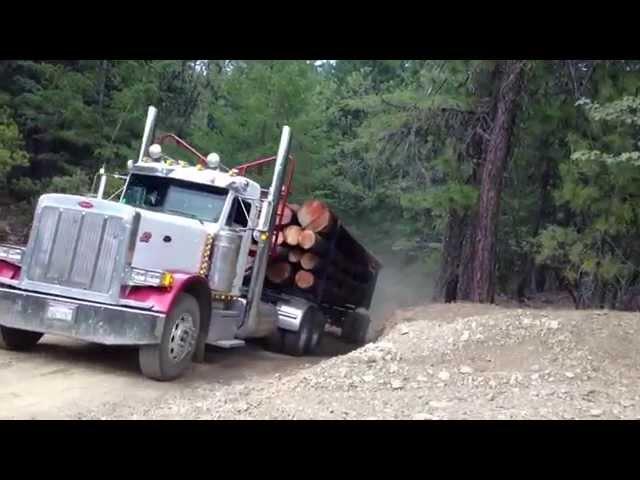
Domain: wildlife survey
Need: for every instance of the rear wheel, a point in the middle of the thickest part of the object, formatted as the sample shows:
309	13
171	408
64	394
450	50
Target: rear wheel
297	343
15	339
173	356
355	327
303	341
317	332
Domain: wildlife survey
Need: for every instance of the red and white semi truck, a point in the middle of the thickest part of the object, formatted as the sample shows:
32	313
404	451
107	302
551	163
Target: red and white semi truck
175	262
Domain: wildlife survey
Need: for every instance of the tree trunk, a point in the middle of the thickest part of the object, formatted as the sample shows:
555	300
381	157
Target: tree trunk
104	71
482	241
447	284
533	278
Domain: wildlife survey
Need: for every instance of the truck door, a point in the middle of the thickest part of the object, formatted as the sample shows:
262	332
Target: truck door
242	217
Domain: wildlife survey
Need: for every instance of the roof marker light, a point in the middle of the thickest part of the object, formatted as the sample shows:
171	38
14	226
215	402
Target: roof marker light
213	160
155	151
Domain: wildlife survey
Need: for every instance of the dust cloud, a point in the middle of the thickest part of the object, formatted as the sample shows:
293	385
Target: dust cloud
401	283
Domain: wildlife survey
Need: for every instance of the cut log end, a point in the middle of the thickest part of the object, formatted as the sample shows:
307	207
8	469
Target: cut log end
307	239
309	261
279	272
312	241
315	215
304	279
292	235
295	255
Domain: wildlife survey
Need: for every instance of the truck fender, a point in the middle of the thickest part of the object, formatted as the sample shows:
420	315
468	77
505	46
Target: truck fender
163	300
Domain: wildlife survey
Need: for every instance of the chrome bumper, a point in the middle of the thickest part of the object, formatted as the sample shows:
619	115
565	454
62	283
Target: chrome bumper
93	322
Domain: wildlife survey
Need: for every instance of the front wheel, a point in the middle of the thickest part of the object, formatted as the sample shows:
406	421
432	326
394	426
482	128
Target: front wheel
15	339
173	356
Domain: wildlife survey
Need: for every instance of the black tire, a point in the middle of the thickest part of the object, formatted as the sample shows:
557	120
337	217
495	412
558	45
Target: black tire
15	339
275	341
317	331
355	327
173	356
297	343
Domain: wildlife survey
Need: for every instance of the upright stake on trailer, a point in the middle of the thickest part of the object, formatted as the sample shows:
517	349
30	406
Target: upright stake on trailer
265	228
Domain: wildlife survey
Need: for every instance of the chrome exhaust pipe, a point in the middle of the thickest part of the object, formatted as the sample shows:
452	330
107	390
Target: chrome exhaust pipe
149	128
265	226
103	182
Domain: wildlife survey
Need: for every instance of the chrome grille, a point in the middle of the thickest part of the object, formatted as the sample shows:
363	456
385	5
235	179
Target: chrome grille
76	249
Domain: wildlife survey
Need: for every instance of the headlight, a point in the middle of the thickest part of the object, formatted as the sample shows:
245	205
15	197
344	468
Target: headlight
151	278
11	254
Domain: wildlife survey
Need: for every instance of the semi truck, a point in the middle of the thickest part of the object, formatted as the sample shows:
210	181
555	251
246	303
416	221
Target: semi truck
171	263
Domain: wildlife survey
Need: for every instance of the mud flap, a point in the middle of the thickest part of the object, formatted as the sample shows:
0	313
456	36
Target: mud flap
199	354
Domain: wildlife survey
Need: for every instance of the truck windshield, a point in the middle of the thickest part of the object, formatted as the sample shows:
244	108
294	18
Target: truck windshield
176	197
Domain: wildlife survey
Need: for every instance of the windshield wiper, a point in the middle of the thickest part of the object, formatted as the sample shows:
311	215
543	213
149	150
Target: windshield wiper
184	214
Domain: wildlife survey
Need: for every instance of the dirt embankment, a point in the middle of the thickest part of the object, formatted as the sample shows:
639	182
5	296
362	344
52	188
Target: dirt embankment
435	362
440	362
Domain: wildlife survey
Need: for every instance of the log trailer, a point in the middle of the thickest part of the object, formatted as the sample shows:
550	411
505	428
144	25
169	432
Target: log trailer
176	263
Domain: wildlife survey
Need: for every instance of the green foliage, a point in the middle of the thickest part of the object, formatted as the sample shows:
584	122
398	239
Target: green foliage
625	111
599	187
396	155
12	152
77	183
255	99
386	142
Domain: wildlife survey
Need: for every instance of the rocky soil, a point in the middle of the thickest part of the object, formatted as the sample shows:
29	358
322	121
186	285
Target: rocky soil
440	362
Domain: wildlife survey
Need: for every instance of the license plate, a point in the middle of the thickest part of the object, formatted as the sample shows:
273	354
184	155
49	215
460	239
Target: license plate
61	312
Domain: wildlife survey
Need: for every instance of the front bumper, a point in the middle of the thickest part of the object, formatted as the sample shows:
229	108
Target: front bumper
93	322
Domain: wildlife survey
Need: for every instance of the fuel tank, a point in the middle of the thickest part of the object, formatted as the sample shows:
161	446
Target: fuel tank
224	260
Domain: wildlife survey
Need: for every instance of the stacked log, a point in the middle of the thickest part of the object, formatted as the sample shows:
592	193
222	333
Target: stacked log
315	255
279	272
292	235
309	240
316	217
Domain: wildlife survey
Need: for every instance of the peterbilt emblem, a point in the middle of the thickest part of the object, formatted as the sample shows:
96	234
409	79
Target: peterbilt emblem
145	237
85	204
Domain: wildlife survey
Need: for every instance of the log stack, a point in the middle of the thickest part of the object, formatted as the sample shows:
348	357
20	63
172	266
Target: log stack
316	256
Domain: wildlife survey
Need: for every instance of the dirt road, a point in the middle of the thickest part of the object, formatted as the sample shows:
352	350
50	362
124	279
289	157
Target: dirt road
435	362
63	378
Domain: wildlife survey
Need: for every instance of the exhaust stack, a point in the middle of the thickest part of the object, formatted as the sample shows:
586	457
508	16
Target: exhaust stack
149	129
265	228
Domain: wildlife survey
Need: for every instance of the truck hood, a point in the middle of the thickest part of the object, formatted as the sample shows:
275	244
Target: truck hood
170	242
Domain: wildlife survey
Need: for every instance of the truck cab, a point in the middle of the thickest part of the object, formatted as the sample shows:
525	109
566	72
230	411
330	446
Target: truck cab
181	206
